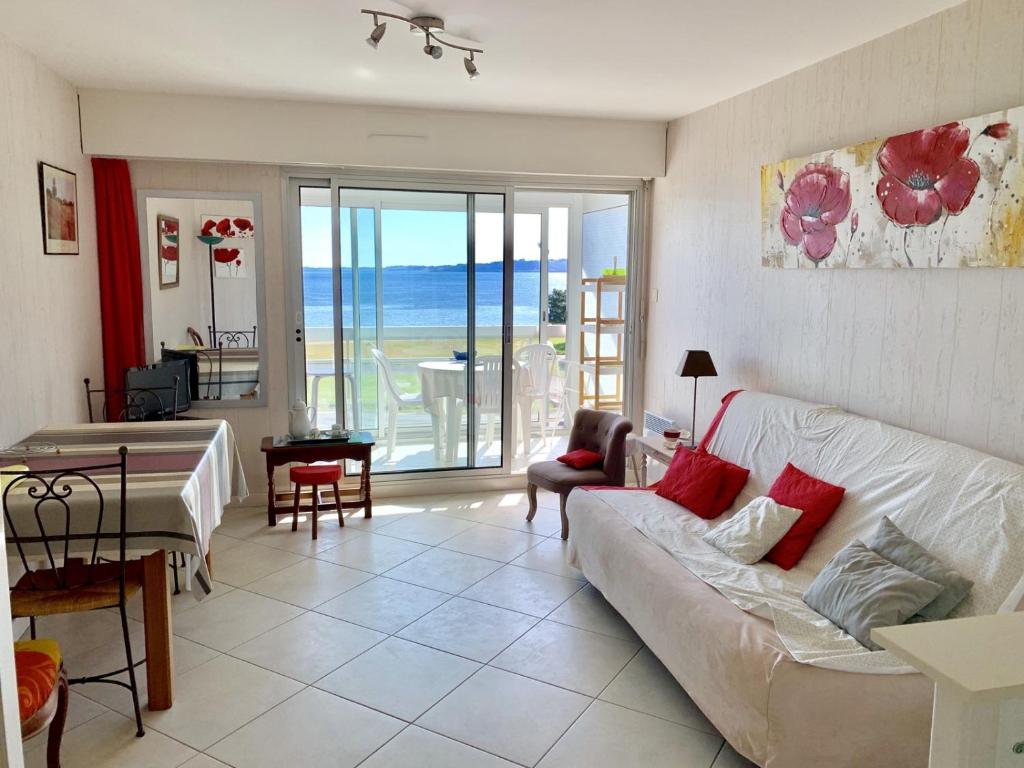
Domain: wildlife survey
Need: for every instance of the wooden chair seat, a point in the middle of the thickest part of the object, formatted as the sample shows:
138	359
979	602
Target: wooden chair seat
89	587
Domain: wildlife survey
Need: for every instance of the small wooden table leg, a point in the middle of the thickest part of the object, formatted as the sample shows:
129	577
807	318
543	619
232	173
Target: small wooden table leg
271	493
156	605
337	505
364	485
316	492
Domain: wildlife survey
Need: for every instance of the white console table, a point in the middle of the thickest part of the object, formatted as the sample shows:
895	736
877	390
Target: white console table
650	447
978	668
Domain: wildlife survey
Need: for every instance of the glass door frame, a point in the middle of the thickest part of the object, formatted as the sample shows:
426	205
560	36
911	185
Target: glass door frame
508	185
296	358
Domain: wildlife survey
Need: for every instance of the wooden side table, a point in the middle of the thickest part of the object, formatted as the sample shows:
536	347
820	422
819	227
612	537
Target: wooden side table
978	669
279	451
652	447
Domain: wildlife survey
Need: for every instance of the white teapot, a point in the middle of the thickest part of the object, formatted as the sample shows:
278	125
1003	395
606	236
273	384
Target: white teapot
301	420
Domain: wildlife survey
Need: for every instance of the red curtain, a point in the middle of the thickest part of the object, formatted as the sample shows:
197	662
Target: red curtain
120	269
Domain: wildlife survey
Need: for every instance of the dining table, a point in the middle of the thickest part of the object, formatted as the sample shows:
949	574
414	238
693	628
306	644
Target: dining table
443	391
180	476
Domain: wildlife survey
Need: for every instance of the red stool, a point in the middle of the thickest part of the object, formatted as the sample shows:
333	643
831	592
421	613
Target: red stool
315	475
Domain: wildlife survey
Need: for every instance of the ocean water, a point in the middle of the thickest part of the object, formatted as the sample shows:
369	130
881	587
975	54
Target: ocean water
422	297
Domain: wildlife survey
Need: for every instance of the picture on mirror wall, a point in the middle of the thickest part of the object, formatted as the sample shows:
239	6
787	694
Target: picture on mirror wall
227	227
229	262
167	247
58	195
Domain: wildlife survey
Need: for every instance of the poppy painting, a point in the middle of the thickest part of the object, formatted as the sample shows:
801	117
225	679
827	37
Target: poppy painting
948	196
168	249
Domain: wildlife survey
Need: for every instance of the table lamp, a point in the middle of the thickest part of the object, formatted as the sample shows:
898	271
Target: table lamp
695	363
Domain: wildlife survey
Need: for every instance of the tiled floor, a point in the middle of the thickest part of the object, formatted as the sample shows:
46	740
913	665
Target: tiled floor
445	632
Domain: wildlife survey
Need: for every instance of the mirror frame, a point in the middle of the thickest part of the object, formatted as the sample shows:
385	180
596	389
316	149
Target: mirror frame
150	259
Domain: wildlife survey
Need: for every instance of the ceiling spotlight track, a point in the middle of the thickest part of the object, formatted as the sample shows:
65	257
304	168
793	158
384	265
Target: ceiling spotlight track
428	26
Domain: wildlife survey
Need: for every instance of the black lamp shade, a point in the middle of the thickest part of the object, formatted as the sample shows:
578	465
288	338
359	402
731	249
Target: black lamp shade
696	363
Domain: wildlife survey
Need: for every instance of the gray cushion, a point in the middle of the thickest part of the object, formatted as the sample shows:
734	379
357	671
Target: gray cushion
859	590
896	547
561	478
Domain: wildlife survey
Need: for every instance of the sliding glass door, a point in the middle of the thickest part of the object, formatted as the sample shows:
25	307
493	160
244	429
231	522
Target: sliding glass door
403	296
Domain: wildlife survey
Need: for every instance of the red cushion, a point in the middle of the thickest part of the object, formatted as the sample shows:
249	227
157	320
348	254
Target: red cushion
816	498
733	480
37	665
316	474
693	480
581	458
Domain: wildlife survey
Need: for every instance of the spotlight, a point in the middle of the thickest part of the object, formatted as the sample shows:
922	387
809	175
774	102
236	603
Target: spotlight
378	32
434	51
471	69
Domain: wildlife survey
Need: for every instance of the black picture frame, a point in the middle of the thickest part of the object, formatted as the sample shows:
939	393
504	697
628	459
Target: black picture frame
57	212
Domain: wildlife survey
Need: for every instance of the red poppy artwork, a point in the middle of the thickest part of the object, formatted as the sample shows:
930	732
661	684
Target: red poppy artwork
167	248
947	196
229	262
235	227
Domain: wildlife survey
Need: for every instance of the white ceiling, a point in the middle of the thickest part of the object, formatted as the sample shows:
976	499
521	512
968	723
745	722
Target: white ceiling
641	59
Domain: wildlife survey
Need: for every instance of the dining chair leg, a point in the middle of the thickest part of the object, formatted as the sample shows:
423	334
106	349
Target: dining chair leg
295	507
140	731
337	503
316	491
56	732
32	627
531	494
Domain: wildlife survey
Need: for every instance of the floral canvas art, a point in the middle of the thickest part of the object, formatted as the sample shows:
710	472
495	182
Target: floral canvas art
229	258
948	196
168	249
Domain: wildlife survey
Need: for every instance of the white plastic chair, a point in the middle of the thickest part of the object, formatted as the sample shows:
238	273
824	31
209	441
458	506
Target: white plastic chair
398	400
488	393
539	360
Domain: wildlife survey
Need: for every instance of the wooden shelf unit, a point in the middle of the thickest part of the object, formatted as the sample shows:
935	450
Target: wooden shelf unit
598	327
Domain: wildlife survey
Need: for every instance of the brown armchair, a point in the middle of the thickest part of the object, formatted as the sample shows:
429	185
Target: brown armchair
601	431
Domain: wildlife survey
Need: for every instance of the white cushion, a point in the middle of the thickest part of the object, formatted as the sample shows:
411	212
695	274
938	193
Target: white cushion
754	530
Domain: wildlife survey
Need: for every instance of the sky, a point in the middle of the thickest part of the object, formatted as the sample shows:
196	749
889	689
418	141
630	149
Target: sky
428	238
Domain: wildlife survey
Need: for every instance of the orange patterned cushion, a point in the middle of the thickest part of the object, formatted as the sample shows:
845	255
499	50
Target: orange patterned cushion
38	664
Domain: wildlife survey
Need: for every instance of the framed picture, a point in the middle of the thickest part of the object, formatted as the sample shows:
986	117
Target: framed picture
58	196
167	248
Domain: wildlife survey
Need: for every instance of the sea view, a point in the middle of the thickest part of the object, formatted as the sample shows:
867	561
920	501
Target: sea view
427	296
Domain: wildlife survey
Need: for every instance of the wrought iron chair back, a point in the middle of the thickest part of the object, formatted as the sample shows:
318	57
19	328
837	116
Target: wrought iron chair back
135	403
232	339
49	494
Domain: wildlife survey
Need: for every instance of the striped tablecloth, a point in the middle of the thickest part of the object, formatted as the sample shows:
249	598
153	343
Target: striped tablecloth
181	474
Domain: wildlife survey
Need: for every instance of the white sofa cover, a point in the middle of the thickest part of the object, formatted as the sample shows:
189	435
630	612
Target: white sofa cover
777	708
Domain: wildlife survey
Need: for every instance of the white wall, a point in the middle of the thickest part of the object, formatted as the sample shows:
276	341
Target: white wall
939	351
127	124
51	325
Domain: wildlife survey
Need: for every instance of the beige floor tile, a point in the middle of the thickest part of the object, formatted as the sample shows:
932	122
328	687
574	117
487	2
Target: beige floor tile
79	633
308	647
235	618
493	542
400	678
550	556
217	698
329	534
247	562
587	609
505	714
242	522
524	590
572	658
607	736
309	582
109	741
418	748
80	710
314	728
427	528
467	628
730	758
204	761
646	685
443	570
383	604
373	553
182	601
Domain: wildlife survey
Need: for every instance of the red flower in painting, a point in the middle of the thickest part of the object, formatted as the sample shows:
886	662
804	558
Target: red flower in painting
225	255
224	228
169	252
238	262
243	225
998	130
816	201
208	226
925	173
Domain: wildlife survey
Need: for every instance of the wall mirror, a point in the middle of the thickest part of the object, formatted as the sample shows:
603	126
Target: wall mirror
202	266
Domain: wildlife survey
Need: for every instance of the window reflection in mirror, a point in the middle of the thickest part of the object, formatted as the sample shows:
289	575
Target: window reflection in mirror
201	270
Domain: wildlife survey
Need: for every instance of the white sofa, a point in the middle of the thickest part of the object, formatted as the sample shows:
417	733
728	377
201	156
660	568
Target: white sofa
784	692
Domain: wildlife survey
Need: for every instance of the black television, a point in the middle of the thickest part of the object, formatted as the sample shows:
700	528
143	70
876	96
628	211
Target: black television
152	388
192	361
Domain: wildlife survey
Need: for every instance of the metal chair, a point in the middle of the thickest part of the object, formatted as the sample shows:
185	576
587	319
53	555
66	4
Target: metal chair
135	403
37	506
232	339
397	401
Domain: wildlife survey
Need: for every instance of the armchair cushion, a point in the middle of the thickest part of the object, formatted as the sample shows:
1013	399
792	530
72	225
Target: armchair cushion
582	458
560	478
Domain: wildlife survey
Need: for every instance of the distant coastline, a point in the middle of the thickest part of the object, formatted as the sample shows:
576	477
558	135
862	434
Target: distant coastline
519	266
